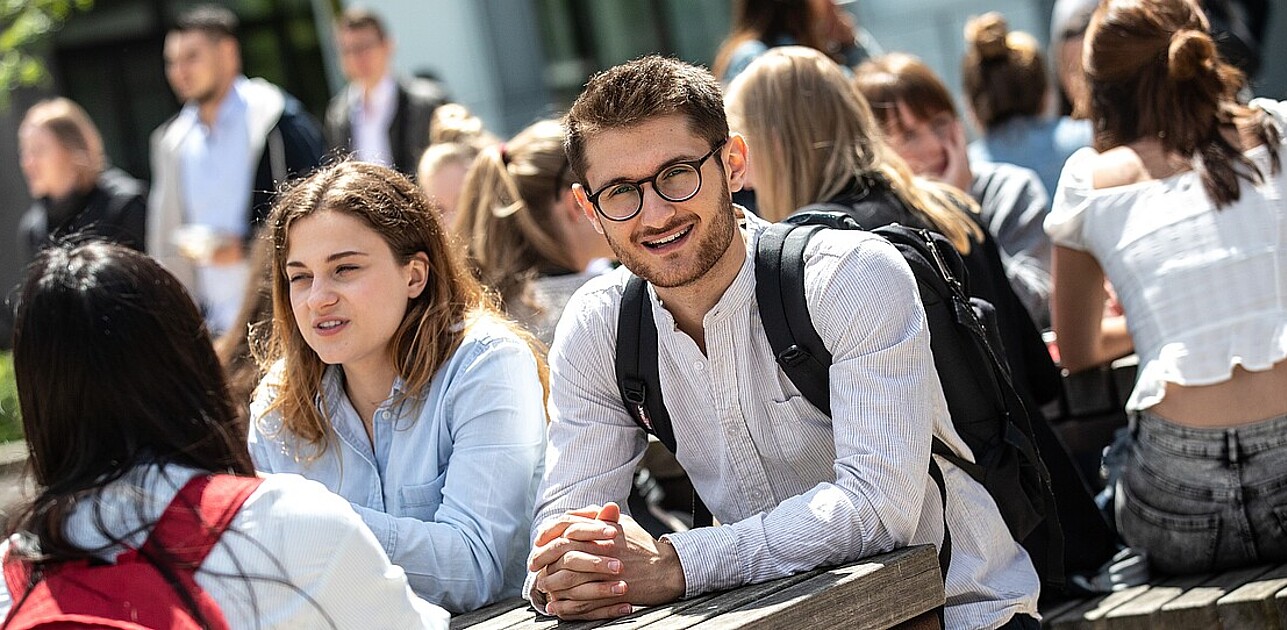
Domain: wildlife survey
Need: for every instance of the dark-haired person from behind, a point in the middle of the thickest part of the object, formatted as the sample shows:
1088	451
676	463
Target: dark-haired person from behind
124	407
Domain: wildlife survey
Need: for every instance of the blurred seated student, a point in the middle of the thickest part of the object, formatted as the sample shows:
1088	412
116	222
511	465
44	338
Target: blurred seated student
75	190
1005	89
759	25
125	412
1180	205
456	137
393	380
916	111
522	230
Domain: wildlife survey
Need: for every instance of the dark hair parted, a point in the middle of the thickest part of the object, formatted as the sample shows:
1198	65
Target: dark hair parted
435	322
888	80
1003	71
1154	72
641	90
215	21
114	369
358	18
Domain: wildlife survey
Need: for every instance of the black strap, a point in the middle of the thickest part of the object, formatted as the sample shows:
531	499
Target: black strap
945	549
784	311
639	376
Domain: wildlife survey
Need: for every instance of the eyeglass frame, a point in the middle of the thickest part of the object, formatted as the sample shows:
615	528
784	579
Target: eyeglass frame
638	183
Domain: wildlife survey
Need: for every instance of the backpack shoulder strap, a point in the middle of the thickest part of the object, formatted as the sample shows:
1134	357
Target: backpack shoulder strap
784	311
197	516
17	575
639	376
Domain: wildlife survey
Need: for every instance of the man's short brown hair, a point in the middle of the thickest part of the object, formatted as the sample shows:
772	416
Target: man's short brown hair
638	91
357	18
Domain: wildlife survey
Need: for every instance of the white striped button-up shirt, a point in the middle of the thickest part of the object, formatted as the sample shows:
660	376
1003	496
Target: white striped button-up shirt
793	489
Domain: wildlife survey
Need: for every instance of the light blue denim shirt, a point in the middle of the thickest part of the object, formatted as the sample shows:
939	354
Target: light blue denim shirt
448	482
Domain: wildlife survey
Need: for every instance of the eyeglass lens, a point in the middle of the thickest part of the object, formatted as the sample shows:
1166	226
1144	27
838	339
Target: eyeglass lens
677	183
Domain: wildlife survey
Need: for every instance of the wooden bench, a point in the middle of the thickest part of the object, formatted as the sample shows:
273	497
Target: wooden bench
1252	598
902	589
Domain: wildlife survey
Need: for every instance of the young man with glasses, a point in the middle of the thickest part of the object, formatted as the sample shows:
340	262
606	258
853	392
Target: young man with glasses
379	116
792	488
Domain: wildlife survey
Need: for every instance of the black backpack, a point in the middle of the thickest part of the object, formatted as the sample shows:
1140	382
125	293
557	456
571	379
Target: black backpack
985	408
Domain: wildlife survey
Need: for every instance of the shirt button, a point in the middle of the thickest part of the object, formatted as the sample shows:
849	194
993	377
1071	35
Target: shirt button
699	365
386	414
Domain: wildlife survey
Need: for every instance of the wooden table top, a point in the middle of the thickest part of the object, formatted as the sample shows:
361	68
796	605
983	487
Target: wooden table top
1253	598
900	587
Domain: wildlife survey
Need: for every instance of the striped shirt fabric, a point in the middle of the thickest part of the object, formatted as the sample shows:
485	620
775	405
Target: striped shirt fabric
792	488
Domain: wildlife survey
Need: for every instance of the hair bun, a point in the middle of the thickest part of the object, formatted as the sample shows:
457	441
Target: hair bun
1191	52
987	34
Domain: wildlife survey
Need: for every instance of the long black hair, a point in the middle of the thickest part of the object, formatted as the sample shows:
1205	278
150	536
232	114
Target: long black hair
114	369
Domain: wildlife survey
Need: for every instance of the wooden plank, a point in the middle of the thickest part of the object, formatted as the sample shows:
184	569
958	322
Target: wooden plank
1139	611
1196	608
520	616
1252	604
473	618
688	613
926	621
1085	615
1053	611
897	587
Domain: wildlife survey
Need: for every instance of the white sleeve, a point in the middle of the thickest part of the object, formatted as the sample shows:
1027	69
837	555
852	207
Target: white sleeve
298	556
1073	196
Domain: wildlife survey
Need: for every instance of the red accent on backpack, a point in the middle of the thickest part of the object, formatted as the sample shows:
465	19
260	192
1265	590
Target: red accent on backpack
132	594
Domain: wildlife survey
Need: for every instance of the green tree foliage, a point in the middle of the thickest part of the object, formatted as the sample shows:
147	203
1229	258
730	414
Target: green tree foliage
25	25
10	421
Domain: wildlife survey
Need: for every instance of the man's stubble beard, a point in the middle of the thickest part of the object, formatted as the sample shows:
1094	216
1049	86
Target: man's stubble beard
714	244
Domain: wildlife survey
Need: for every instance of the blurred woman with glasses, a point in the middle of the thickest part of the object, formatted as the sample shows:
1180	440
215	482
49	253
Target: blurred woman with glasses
916	111
393	380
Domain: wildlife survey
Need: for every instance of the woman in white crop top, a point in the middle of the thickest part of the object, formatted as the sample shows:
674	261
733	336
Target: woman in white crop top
1180	205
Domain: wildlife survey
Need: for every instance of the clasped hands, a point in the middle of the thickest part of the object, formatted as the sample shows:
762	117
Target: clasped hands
597	563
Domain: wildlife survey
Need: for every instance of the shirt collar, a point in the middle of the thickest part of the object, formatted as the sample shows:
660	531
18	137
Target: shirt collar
741	291
234	104
381	97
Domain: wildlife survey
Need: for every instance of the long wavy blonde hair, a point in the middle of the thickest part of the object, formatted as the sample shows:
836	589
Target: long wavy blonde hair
811	133
435	322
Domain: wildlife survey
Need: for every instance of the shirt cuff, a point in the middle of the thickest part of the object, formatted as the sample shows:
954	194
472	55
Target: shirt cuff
709	558
529	593
383	526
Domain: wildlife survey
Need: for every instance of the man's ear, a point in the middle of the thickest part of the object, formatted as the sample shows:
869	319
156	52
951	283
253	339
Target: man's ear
417	274
736	162
587	208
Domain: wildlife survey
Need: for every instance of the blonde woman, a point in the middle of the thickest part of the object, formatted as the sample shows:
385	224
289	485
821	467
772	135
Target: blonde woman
456	137
75	190
523	231
396	383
